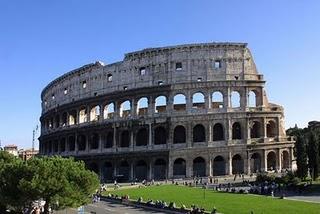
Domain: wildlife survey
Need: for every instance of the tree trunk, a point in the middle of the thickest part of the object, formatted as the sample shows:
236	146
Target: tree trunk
46	207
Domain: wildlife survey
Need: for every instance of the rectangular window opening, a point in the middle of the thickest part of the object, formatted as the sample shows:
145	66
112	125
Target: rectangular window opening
142	71
217	64
178	66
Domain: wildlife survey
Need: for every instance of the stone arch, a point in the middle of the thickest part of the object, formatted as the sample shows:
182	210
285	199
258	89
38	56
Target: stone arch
64	119
271	161
109	140
57	121
141	170
237	164
199	167
255	130
124	170
125	139
199	133
160	135
255	162
179	134
236	131
95	113
63	144
83	115
71	143
252	99
125	109
235	99
217	100
160	169
160	104
179	167
94	141
179	102
198	100
108	170
72	118
108	111
82	142
285	160
142	137
271	129
94	167
219	166
142	106
218	132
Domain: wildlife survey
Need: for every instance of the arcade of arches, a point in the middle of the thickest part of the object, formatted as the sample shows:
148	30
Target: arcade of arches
200	166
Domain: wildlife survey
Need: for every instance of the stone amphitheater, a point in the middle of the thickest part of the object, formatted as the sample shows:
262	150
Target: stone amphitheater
170	112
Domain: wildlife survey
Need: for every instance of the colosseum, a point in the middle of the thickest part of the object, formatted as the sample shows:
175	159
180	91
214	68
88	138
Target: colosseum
170	112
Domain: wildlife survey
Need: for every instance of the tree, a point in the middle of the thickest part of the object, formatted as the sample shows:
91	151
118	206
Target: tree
313	153
301	154
12	171
61	182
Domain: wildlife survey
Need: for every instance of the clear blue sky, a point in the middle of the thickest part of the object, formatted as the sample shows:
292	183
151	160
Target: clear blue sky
40	40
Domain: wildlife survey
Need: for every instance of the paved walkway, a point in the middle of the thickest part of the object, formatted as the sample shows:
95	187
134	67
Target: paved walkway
104	207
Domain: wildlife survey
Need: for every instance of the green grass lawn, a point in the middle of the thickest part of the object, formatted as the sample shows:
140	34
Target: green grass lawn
224	202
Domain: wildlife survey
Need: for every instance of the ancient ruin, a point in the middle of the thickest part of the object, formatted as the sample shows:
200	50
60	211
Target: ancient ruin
177	111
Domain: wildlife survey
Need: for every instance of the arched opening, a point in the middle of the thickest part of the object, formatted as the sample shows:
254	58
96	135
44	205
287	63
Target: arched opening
255	162
82	142
252	100
179	102
108	172
255	131
160	104
95	113
125	109
199	133
142	106
142	137
217	100
218	166
94	141
83	115
160	135
94	168
179	167
199	167
198	101
125	139
218	133
271	161
109	140
235	99
64	119
72	118
271	129
71	143
141	170
55	146
237	164
179	134
57	121
285	160
108	111
160	169
124	171
236	131
62	145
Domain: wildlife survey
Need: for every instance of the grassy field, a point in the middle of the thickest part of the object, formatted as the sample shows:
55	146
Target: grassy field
224	202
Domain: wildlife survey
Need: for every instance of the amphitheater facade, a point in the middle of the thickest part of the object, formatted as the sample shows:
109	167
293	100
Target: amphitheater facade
171	112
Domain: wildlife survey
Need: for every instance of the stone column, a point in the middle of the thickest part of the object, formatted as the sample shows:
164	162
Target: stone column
248	163
170	168
229	164
210	132
264	161
189	135
131	175
208	100
76	149
189	101
226	99
264	124
151	106
279	160
100	142
150	170
88	113
101	116
131	140
150	143
209	167
189	168
134	108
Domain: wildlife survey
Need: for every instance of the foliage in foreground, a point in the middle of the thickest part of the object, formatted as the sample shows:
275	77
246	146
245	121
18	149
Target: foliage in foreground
60	182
